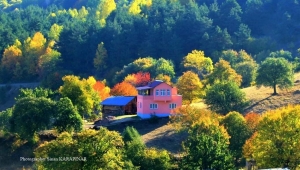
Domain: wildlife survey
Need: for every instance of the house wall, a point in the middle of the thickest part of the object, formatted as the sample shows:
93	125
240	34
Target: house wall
163	109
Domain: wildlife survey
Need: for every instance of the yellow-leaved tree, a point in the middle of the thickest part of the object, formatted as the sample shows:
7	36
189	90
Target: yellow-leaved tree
135	6
104	9
277	140
190	87
198	63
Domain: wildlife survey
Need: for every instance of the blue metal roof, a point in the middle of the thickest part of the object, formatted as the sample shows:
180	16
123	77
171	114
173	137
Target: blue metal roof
117	100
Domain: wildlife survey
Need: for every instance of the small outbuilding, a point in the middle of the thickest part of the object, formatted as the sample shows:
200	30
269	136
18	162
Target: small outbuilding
118	105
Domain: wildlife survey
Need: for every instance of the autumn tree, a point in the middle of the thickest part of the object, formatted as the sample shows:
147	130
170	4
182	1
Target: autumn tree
138	79
135	6
239	132
102	90
275	72
224	97
97	149
164	78
197	62
252	121
55	31
81	93
123	89
223	72
189	86
277	140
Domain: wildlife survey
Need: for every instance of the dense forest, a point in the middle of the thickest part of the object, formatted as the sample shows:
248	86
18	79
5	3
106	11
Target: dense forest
47	39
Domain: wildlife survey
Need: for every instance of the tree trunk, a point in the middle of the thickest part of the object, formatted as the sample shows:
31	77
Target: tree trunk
274	88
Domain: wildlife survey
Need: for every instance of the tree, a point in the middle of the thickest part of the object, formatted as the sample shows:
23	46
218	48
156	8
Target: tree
102	90
30	115
189	86
239	132
164	78
138	79
248	72
284	54
223	72
207	148
163	66
81	93
198	63
275	72
123	89
94	150
224	97
100	58
252	121
277	140
5	116
67	117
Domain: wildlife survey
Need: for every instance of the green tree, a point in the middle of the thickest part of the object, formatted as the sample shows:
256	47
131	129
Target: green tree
235	125
163	66
198	63
189	86
81	93
35	93
5	116
248	71
224	97
100	59
275	72
97	149
277	140
283	54
30	115
207	148
67	117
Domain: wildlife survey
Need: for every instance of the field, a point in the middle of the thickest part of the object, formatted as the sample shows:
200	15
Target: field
160	134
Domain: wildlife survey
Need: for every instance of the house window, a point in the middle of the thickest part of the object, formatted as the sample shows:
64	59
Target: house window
168	92
153	106
163	92
172	105
140	104
157	92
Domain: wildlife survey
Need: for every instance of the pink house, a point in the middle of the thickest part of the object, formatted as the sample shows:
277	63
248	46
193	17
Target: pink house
157	98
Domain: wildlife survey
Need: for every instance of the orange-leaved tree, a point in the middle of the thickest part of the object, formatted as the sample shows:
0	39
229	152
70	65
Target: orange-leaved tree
252	120
102	90
123	89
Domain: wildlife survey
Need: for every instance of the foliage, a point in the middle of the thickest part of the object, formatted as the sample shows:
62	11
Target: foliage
102	90
198	63
131	134
95	149
282	54
81	93
207	148
186	117
148	64
224	97
123	89
223	72
275	72
164	78
189	86
35	93
30	115
4	120
67	117
252	121
276	143
138	79
100	58
239	132
248	72
155	159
